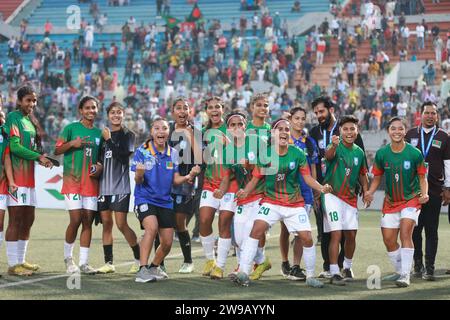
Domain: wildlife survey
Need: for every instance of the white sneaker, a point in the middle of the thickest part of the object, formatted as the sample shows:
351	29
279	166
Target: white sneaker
325	275
71	267
186	268
403	281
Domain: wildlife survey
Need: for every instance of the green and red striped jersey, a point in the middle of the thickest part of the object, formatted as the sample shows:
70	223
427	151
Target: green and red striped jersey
282	187
344	170
19	126
77	162
4	152
401	171
216	160
245	158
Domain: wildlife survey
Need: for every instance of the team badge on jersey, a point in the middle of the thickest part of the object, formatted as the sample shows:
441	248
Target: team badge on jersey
414	142
436	143
355	161
1	139
169	165
97	141
292	165
407	165
251	156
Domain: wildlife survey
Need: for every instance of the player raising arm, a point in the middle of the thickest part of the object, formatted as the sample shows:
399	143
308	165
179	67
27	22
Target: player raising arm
406	190
282	201
346	164
156	167
114	194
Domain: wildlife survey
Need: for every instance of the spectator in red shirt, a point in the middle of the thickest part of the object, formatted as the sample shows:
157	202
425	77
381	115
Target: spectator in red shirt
48	27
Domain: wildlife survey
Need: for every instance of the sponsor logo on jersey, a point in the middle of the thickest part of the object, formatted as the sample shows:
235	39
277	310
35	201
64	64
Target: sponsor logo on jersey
407	165
292	165
414	142
436	143
355	161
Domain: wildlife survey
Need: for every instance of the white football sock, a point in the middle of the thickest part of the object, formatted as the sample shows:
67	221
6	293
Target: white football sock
407	255
208	246
334	269
348	263
21	250
238	254
223	247
84	255
260	256
396	260
249	249
11	252
68	250
309	254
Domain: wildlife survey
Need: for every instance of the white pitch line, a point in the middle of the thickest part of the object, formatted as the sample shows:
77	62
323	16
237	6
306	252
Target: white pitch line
25	282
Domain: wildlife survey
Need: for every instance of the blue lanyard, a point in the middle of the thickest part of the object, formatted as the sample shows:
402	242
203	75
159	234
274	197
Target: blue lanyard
427	150
331	134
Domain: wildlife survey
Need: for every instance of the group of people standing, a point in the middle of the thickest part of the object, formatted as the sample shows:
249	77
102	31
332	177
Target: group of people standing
252	173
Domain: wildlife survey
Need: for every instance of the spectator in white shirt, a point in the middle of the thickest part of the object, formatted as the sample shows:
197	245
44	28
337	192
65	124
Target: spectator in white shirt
401	108
420	32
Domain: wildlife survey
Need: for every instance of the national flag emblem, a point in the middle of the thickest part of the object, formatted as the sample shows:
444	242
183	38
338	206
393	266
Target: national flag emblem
407	165
355	161
292	165
169	165
171	22
195	15
436	143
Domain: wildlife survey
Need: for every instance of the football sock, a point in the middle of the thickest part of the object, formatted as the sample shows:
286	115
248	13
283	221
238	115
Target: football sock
223	247
208	246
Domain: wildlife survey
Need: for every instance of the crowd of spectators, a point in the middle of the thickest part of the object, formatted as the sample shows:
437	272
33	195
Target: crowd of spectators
197	60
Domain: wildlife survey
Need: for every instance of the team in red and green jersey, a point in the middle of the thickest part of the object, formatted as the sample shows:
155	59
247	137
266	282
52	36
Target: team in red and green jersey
78	162
344	171
282	187
401	171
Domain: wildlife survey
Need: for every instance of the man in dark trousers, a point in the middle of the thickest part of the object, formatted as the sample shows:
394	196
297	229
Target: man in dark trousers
434	144
328	126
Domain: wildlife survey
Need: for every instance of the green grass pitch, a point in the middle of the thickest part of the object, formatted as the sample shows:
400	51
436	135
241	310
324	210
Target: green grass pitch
46	249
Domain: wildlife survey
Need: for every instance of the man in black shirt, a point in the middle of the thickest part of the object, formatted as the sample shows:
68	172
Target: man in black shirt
434	144
322	133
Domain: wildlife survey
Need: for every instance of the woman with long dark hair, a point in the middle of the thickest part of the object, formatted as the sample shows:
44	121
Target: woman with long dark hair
114	195
25	146
80	144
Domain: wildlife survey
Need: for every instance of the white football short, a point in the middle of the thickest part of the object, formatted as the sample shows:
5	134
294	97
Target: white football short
24	196
392	220
75	202
339	215
227	202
